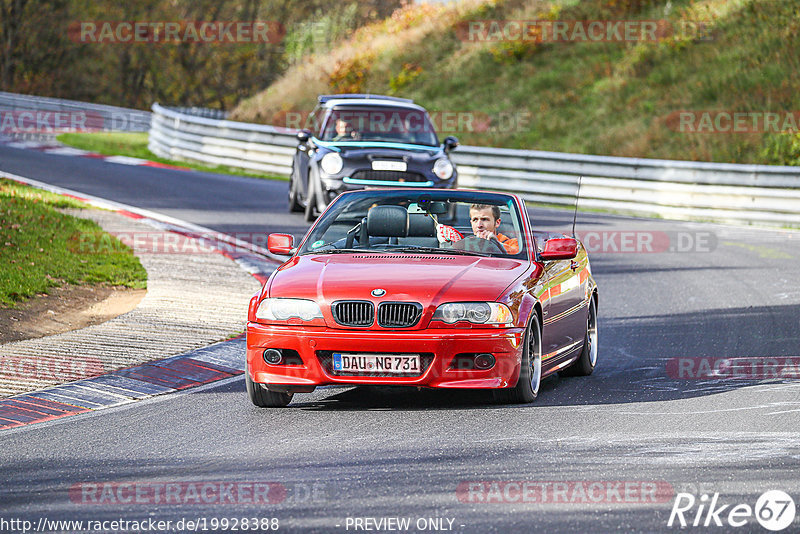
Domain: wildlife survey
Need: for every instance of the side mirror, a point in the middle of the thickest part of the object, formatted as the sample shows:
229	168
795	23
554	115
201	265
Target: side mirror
303	135
281	244
450	143
562	248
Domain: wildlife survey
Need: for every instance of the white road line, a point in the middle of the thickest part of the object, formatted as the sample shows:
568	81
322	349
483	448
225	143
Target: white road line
66	151
125	160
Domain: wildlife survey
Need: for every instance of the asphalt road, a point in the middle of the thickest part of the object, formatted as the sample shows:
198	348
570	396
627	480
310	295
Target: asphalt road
611	451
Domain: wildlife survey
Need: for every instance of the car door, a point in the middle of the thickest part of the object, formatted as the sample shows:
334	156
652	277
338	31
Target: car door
565	315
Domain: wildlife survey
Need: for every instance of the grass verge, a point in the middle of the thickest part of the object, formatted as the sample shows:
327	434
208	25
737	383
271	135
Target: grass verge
41	247
134	144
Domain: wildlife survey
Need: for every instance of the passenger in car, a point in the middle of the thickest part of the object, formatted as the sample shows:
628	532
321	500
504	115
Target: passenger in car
485	220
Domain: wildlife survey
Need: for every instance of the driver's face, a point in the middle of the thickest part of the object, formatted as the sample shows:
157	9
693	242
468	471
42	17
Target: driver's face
341	127
483	220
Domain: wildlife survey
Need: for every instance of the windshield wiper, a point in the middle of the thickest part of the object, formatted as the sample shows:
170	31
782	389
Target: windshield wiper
422	250
341	250
435	250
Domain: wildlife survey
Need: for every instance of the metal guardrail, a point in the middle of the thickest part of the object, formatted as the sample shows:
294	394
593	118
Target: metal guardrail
91	117
252	147
202	112
761	194
664	188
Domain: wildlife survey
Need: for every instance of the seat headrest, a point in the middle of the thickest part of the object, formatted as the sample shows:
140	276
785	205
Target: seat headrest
387	221
421	225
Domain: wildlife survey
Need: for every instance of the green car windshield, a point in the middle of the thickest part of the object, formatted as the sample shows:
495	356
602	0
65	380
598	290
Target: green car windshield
380	124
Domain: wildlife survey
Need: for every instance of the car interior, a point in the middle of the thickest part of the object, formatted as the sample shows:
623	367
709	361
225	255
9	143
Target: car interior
409	225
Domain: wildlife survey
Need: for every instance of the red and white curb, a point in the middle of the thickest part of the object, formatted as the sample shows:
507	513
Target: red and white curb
220	361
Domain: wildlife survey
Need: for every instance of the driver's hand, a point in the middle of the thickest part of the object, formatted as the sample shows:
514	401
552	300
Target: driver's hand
485	234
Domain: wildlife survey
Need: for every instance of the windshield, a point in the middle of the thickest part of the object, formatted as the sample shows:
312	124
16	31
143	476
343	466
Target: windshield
382	124
420	222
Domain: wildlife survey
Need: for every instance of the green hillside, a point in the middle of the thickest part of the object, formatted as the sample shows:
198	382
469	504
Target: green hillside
576	95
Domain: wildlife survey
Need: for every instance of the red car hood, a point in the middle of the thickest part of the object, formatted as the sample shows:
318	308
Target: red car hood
427	279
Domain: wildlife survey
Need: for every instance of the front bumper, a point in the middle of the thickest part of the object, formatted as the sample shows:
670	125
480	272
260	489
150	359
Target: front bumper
438	347
334	185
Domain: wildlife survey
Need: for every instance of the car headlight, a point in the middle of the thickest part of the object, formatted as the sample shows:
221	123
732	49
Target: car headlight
284	309
331	163
474	312
443	168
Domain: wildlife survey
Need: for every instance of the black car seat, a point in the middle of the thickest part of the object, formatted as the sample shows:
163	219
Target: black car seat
421	231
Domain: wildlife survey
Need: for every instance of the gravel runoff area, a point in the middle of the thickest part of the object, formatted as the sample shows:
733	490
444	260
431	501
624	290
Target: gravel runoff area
192	300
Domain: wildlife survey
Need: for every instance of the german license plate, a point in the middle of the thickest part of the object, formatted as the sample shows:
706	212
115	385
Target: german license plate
389	166
376	363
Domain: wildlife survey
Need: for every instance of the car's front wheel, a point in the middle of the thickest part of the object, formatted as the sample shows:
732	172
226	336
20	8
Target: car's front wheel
530	373
311	201
263	397
294	195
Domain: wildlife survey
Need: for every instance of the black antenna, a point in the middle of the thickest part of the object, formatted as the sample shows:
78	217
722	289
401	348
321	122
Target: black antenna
577	197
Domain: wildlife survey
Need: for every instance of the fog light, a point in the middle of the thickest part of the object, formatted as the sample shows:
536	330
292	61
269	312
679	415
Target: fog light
484	361
273	356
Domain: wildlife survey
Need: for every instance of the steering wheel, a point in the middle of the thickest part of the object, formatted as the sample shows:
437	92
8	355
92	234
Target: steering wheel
474	243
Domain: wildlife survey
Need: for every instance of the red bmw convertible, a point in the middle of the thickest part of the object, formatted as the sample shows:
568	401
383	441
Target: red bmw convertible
424	288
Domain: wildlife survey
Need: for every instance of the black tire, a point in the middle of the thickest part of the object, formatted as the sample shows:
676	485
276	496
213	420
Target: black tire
311	201
294	200
263	397
530	373
585	364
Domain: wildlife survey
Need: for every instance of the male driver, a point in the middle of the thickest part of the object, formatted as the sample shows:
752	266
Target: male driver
485	220
344	132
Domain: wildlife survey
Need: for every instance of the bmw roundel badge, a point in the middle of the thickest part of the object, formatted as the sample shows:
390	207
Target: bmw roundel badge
378	292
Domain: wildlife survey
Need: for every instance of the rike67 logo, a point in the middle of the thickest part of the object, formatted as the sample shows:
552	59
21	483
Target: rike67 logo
774	510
